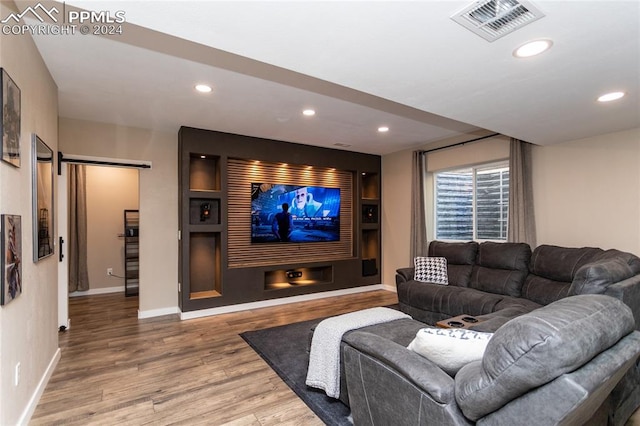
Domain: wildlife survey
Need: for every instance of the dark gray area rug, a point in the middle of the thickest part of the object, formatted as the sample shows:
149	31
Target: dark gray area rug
286	350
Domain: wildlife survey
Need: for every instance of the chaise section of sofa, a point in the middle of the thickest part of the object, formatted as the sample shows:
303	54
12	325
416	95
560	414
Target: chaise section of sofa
544	367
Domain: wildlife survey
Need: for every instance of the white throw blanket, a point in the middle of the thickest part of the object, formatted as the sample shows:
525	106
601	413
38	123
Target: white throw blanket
324	356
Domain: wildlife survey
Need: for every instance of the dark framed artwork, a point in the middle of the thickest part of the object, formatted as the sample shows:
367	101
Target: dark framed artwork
10	123
11	230
42	177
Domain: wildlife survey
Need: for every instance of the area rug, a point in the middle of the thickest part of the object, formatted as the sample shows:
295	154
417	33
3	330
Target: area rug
285	349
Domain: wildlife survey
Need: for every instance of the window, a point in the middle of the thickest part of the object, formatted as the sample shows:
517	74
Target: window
472	203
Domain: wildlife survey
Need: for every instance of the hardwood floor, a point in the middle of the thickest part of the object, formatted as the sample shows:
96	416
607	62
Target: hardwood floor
116	369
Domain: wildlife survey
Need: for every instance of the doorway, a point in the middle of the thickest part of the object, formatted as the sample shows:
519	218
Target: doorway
110	190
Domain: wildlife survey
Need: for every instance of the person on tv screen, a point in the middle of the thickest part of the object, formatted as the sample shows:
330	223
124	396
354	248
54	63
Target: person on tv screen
283	224
304	205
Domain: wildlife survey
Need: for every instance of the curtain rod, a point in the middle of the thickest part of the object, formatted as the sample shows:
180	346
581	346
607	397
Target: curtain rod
62	159
460	143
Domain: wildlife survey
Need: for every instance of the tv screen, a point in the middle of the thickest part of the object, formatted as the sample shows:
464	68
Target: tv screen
313	213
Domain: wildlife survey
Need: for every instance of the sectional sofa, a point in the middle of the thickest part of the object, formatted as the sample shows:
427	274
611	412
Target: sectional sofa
497	282
510	285
500	281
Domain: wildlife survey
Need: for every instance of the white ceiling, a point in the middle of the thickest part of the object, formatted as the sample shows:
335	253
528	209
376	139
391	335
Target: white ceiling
359	64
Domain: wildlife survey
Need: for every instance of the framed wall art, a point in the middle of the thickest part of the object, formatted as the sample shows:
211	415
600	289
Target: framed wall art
10	123
11	230
42	177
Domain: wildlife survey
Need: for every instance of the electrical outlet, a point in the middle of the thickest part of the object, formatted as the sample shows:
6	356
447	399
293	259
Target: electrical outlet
16	379
109	271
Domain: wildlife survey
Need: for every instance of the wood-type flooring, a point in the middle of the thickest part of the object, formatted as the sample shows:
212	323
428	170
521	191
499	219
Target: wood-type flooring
118	370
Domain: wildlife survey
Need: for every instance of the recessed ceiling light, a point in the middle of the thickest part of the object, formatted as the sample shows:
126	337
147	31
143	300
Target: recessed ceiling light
383	129
608	97
203	88
309	112
532	48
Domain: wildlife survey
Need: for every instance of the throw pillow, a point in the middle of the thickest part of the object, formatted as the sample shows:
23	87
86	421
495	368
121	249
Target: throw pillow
431	270
450	348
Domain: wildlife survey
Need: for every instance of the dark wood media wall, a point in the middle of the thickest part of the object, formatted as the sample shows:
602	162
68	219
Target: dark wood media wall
220	266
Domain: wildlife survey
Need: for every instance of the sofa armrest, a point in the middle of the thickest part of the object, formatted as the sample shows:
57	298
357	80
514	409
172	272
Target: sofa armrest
421	372
404	275
389	384
629	292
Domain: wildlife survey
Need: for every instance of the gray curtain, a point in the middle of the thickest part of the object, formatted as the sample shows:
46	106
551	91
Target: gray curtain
522	224
78	270
418	206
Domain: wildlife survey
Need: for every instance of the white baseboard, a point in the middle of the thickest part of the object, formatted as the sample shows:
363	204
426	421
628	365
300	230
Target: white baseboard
158	312
391	288
94	291
275	302
42	384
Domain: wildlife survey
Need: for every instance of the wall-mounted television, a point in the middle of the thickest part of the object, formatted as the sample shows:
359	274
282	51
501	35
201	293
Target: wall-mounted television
313	213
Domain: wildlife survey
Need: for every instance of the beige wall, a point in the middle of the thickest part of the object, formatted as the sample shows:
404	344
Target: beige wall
158	199
587	193
28	330
110	190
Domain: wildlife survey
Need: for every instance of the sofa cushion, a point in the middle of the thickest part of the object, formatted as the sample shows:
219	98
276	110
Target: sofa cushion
448	300
460	257
543	290
450	349
501	268
596	277
552	270
535	348
561	263
431	270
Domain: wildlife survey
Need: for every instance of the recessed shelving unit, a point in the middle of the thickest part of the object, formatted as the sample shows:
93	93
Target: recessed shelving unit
370	224
204	172
220	265
294	277
131	252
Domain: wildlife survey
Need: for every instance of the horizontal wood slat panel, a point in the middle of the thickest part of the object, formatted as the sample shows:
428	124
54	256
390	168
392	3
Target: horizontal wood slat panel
241	253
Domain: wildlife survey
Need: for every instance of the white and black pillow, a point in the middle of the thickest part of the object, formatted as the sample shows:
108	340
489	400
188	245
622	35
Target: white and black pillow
450	349
431	270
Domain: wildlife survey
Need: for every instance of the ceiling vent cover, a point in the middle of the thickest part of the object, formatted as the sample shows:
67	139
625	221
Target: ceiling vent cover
492	19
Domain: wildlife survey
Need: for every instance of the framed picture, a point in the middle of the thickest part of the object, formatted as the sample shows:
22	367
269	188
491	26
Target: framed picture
42	176
11	230
10	123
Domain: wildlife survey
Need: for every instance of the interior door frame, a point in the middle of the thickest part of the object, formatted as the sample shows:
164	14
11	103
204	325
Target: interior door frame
63	221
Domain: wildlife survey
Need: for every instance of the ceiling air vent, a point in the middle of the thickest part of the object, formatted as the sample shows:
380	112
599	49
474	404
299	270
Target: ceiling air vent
492	19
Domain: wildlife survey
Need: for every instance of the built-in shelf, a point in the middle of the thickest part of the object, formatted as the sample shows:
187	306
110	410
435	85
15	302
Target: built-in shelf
370	186
370	223
204	211
131	252
296	277
204	294
204	265
204	172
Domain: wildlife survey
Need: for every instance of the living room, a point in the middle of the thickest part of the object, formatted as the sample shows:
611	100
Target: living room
587	192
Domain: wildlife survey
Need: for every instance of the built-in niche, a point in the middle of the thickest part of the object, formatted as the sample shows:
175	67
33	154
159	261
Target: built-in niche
219	264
